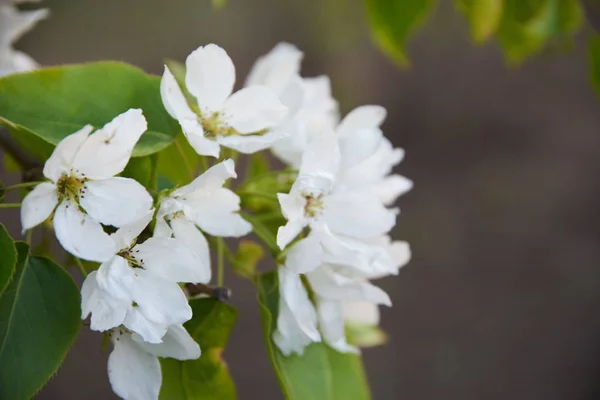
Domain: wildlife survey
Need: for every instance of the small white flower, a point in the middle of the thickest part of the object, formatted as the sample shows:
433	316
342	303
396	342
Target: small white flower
203	204
84	192
312	109
13	25
315	201
133	366
241	121
138	286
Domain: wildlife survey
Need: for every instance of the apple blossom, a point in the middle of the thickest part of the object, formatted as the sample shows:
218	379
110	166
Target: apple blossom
241	121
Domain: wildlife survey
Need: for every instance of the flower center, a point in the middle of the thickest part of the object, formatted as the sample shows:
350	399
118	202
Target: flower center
214	126
133	259
70	188
313	206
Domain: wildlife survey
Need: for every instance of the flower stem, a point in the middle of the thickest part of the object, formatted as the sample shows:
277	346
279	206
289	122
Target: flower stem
21	185
81	267
220	265
28	236
10	205
186	162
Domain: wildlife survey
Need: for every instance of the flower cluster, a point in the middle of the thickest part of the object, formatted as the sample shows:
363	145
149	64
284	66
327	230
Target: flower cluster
13	24
338	219
338	212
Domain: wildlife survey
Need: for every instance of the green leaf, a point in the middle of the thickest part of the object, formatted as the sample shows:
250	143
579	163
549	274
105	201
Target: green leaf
39	320
263	232
257	165
40	108
206	378
321	373
140	169
246	258
392	21
527	26
484	17
218	3
178	162
8	258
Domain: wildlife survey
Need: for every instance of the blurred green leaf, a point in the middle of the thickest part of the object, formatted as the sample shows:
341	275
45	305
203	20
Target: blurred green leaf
218	3
257	165
178	162
265	234
321	373
10	165
40	315
392	21
527	26
246	258
40	108
8	258
361	335
206	378
140	169
484	17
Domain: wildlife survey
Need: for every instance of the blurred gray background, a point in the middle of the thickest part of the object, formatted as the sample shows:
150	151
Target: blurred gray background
501	298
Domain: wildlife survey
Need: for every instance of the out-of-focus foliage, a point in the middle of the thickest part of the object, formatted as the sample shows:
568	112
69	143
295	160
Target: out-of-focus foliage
522	27
392	21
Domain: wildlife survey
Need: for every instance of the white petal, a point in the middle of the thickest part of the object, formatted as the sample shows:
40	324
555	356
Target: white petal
116	201
106	152
398	251
80	235
173	98
358	145
160	300
331	323
288	232
297	318
215	212
117	279
322	157
177	343
341	215
364	117
212	178
332	285
292	207
15	22
133	373
361	312
125	236
187	233
61	160
304	256
210	76
107	312
248	144
392	187
171	259
276	68
253	109
195	135
38	205
137	322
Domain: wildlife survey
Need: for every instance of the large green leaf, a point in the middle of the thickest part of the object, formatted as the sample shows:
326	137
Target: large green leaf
178	162
321	373
392	21
8	258
206	378
40	108
39	320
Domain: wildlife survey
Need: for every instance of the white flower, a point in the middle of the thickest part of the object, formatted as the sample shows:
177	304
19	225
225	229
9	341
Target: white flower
311	107
133	366
315	201
206	205
13	24
297	318
367	157
240	121
137	287
84	192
